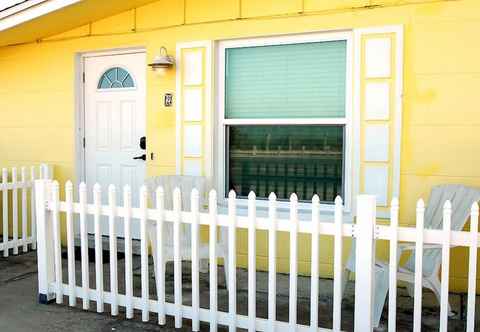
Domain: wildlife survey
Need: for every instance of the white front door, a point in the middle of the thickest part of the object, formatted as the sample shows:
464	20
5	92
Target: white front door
114	126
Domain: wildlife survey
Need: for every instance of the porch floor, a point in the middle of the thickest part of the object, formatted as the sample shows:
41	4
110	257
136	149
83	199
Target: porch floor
20	311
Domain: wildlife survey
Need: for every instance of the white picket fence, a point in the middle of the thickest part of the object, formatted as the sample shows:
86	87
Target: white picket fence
52	285
14	208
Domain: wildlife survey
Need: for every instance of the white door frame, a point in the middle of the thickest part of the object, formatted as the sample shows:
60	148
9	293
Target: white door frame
79	132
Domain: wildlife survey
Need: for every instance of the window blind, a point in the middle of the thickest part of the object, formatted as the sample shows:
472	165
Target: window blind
286	81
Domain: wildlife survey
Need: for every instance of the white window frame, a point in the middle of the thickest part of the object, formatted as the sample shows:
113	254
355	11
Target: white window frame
347	121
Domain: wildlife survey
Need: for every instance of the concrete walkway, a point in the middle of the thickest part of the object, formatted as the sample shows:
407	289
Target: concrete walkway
20	311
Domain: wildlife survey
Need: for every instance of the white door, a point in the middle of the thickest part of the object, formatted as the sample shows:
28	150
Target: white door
114	126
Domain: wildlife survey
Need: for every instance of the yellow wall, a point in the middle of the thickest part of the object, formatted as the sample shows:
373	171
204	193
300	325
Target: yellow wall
441	72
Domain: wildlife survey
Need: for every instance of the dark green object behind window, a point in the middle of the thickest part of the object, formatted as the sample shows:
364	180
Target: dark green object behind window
302	159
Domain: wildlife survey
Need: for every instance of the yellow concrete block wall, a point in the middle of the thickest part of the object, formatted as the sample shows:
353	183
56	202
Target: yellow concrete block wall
441	71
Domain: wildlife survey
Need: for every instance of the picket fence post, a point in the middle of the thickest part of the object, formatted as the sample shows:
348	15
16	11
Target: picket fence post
45	250
364	262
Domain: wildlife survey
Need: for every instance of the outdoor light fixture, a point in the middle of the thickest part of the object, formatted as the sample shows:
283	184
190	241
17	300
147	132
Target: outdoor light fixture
162	62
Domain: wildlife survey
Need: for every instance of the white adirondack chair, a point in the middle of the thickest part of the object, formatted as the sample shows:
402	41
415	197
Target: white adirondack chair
462	198
185	184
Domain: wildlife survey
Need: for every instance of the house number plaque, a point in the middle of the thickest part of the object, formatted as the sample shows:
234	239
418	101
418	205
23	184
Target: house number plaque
168	100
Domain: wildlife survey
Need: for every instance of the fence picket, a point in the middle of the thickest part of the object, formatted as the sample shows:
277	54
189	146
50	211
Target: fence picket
33	218
292	307
23	178
392	294
5	209
472	268
97	202
84	246
252	269
272	258
57	242
338	266
112	231
72	298
195	261
160	202
15	211
127	204
144	253
417	306
232	261
212	205
314	279
177	260
444	306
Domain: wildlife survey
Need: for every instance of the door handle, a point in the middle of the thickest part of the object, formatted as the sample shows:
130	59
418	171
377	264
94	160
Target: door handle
142	157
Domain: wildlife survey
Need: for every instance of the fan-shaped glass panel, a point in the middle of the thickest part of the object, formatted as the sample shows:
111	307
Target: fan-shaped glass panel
116	78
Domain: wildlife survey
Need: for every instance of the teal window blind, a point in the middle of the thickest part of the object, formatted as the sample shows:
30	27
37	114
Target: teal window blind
286	81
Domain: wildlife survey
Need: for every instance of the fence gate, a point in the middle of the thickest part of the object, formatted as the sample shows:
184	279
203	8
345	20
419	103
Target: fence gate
18	207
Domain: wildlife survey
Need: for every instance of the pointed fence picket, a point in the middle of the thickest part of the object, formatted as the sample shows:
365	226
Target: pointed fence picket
472	267
112	231
418	288
15	209
212	202
366	231
392	273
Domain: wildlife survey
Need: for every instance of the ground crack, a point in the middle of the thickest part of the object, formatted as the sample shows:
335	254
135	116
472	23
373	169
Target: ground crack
19	277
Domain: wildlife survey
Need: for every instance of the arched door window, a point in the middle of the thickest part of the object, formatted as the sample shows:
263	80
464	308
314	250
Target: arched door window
115	78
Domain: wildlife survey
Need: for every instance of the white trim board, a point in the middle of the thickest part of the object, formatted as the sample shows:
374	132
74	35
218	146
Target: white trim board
10	7
398	30
207	117
33	9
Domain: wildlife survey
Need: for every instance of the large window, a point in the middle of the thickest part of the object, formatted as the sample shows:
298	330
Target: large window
284	119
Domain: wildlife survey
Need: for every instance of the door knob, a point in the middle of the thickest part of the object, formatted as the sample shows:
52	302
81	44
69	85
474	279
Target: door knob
142	157
143	143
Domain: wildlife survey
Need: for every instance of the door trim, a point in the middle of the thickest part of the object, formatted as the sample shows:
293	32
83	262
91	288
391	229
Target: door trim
79	86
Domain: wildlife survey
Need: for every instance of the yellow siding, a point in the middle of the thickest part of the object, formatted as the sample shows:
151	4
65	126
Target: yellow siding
211	10
316	5
77	32
124	22
440	131
251	8
160	14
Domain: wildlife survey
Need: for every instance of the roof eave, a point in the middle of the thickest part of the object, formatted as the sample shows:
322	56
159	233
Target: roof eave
30	10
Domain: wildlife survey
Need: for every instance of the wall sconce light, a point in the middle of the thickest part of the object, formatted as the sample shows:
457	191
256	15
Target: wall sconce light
162	62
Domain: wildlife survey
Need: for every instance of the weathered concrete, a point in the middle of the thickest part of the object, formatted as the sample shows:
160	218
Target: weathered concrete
19	310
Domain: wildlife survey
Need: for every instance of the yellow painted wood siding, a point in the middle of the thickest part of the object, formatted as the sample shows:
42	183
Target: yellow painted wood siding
440	131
